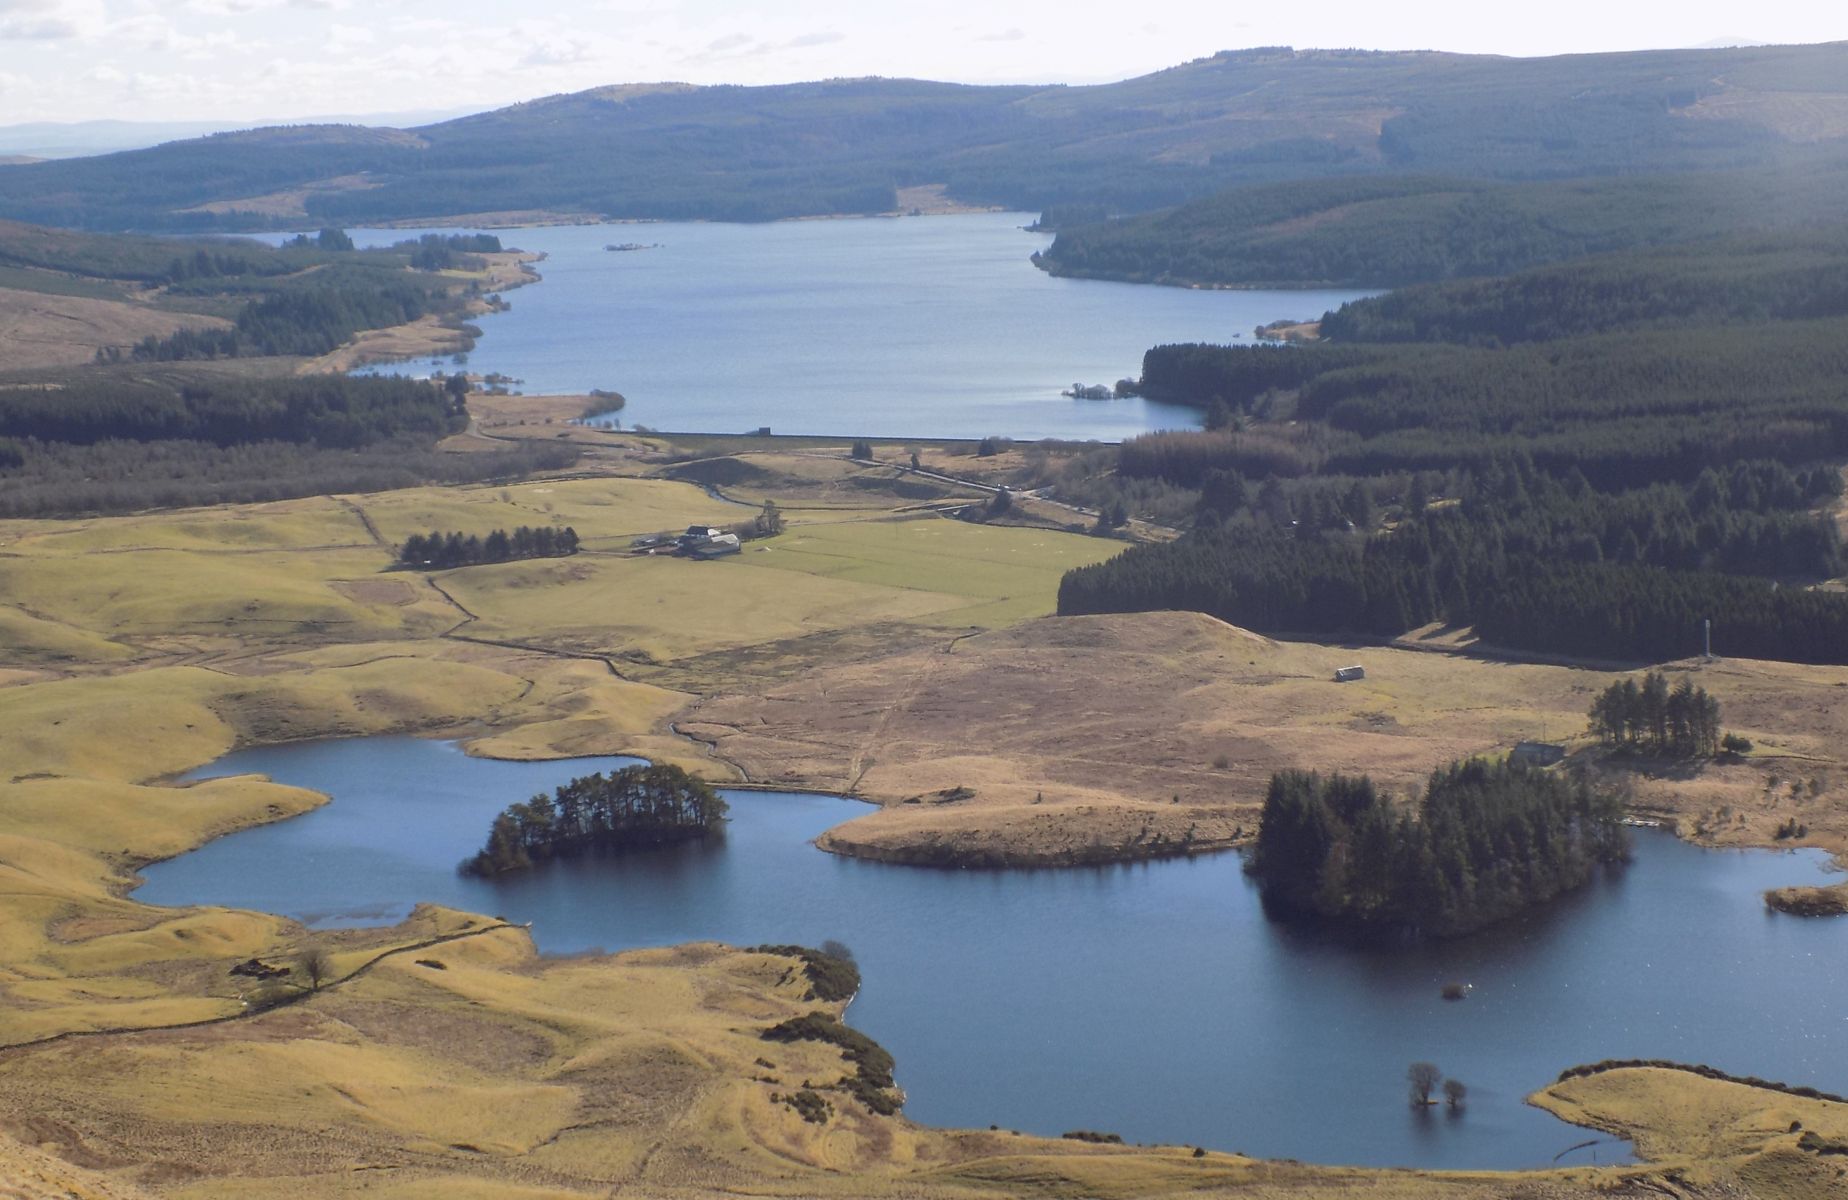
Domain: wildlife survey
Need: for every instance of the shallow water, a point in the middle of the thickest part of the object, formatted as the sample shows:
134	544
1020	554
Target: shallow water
1153	1000
914	327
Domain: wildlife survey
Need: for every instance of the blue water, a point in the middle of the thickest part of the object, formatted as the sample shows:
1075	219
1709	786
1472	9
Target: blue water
912	327
1152	1000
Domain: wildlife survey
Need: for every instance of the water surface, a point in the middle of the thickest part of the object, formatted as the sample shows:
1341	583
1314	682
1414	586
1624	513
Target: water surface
898	327
1152	1000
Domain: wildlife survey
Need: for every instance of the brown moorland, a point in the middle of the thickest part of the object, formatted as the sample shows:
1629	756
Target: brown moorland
1075	738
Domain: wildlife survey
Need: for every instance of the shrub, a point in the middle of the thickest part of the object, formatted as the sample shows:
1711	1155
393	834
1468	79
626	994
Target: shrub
832	973
811	1106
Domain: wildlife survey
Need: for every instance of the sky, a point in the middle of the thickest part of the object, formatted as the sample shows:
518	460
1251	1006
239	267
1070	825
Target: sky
245	60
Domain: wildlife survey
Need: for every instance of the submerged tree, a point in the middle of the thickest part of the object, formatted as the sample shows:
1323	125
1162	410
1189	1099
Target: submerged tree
1454	1091
1423	1077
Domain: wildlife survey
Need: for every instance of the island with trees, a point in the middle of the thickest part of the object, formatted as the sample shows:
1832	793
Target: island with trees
647	805
1486	841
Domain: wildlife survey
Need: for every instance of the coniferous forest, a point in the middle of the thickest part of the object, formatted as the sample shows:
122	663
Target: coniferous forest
646	805
1588	459
217	415
1485	841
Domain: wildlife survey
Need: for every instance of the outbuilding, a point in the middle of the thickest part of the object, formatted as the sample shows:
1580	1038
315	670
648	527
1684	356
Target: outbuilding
1349	674
1537	754
716	546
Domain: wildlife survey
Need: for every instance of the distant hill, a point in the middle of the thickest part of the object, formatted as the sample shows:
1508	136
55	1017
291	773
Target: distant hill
73	139
737	153
1377	231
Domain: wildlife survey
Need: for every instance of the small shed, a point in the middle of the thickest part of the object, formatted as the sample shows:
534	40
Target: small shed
1349	674
1537	754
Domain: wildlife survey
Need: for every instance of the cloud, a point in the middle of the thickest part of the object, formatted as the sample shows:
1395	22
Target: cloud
556	52
803	41
731	41
343	39
48	20
1016	34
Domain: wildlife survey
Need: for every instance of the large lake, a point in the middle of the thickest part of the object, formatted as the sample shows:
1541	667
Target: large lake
894	327
1153	1000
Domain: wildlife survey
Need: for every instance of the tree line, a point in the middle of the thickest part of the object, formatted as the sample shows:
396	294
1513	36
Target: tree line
88	405
62	479
1484	842
439	551
646	805
1682	722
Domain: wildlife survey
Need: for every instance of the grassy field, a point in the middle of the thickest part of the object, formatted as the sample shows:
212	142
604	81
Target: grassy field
139	647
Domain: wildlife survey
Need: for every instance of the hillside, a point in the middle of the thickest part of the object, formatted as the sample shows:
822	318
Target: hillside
1391	231
738	153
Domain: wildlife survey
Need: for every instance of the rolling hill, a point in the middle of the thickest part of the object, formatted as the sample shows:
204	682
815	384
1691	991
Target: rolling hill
753	153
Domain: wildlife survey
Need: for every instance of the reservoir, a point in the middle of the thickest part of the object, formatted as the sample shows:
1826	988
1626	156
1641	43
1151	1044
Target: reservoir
926	327
1152	1000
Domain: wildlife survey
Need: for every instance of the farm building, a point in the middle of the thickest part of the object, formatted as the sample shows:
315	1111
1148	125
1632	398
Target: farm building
1349	674
1537	754
714	547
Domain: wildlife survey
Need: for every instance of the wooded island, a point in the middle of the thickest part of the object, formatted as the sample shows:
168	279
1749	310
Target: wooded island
636	806
1486	841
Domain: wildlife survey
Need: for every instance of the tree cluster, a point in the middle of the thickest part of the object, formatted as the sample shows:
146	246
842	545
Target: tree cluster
635	806
333	240
449	252
1485	841
439	551
1682	722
